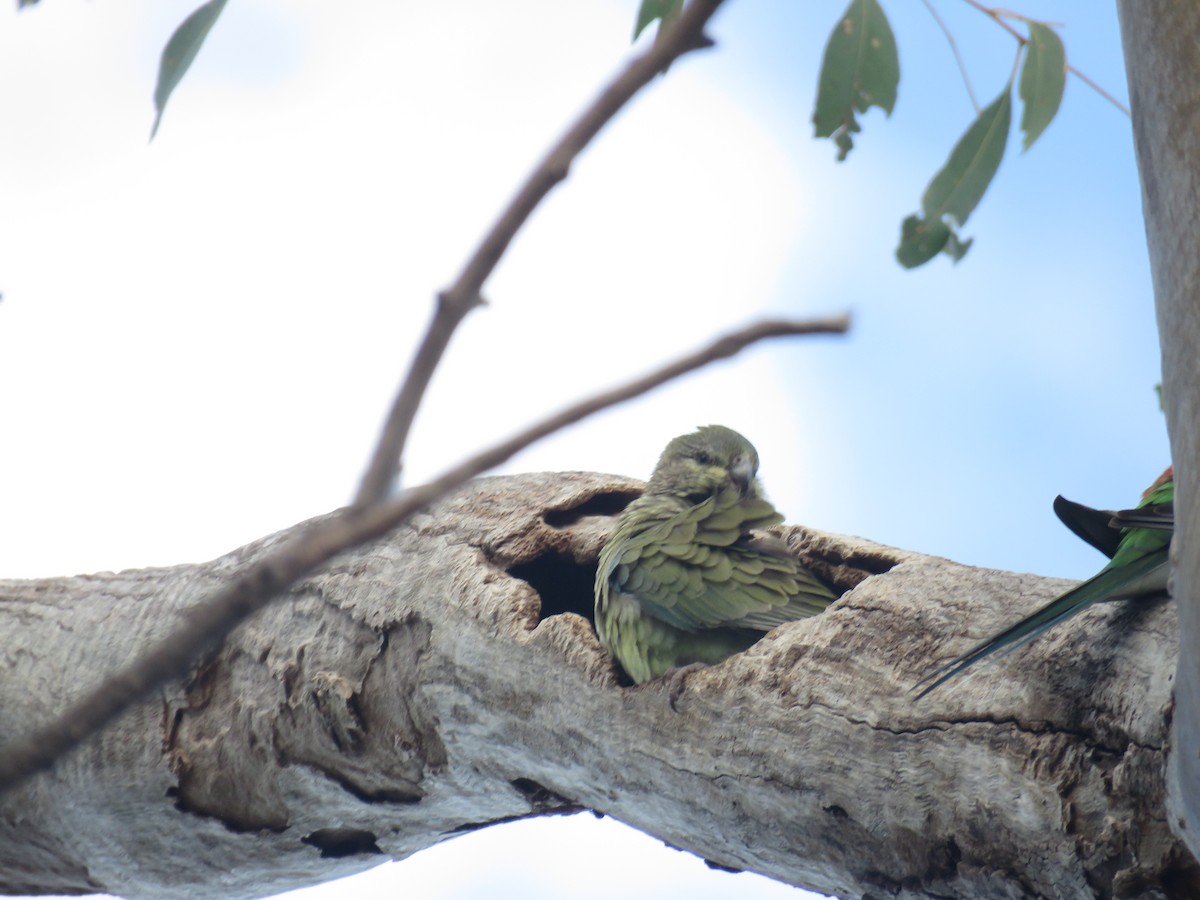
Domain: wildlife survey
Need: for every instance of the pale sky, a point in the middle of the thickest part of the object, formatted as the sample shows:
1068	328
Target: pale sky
199	337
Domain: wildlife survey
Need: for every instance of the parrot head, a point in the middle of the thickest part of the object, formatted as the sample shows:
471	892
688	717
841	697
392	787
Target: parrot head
697	465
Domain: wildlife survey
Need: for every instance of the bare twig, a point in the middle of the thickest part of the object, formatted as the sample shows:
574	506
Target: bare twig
213	618
1099	90
998	16
683	34
962	68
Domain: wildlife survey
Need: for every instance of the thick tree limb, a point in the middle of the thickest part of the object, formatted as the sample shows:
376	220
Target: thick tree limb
446	677
1162	56
213	616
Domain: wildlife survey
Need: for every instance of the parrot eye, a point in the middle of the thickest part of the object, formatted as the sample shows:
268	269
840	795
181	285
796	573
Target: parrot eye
704	458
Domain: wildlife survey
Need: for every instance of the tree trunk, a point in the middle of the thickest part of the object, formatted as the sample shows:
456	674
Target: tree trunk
1162	54
448	678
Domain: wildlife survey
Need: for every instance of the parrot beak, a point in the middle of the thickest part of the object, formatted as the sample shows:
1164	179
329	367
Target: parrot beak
742	474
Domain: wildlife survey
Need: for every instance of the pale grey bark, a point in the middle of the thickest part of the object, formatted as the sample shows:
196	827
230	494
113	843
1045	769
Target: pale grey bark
1162	54
446	678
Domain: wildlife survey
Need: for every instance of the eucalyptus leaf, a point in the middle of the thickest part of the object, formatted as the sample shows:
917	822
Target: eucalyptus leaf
1043	80
958	187
181	49
860	69
921	241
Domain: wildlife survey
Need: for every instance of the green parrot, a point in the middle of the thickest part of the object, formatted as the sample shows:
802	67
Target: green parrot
683	578
1136	540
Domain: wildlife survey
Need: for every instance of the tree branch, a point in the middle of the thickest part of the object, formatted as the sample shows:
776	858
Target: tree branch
998	16
447	678
684	34
213	618
371	514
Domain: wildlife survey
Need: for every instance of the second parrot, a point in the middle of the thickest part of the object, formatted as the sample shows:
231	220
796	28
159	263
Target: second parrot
1137	541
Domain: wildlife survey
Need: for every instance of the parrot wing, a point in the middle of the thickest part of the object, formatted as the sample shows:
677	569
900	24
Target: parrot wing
694	569
1159	516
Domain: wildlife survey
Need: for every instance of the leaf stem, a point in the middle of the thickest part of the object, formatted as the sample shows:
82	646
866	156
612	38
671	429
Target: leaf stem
999	15
957	56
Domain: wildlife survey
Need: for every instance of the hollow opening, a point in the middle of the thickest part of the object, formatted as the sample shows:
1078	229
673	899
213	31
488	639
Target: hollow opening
606	504
335	843
562	584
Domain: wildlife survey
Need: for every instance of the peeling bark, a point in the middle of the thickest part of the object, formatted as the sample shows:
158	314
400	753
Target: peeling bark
448	678
1162	57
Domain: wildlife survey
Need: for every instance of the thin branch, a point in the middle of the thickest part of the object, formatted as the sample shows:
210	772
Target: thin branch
373	514
684	34
962	68
214	617
998	16
1099	90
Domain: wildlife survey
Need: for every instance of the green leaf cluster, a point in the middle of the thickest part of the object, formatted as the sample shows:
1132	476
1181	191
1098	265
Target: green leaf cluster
960	184
861	69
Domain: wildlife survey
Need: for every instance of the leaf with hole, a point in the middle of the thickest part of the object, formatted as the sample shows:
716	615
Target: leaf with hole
181	49
957	188
920	241
1043	79
861	69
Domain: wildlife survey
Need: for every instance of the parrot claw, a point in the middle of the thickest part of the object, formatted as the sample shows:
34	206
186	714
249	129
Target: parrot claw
677	682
